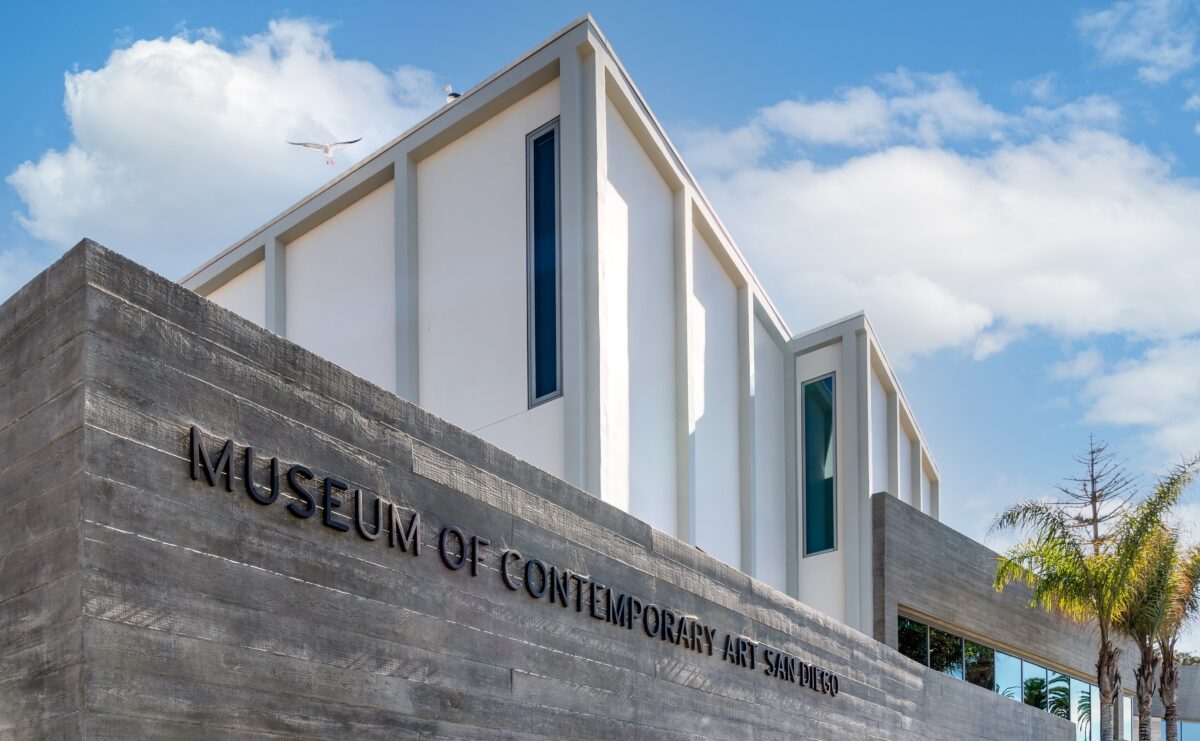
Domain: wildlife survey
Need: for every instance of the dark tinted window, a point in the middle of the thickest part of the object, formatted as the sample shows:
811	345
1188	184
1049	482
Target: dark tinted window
820	501
981	665
543	267
912	640
945	653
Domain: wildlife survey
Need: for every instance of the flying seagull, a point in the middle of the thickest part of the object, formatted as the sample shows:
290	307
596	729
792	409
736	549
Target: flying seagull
327	149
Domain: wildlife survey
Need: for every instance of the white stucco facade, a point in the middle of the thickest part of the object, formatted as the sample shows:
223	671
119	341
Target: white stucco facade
681	385
245	293
339	281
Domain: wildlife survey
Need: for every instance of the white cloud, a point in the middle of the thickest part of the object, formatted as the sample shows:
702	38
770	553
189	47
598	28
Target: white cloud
1158	35
1079	235
928	110
1160	392
912	107
1044	219
1042	88
1083	365
179	143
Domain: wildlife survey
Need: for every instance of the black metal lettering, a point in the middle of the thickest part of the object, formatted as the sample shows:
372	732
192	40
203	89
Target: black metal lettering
407	540
646	620
635	611
668	624
309	508
200	460
477	544
710	634
680	630
592	588
618	609
833	686
560	586
448	558
360	523
769	659
544	583
579	582
730	652
331	503
252	488
504	557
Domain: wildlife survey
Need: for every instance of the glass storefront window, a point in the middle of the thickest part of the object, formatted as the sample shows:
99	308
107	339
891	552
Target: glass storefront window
1033	684
913	640
1081	709
1015	678
981	665
1058	695
945	653
1008	675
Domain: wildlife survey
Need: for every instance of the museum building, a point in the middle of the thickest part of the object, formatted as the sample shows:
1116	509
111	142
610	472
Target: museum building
495	435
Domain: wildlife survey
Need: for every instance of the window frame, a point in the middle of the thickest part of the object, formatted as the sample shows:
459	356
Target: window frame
534	399
836	479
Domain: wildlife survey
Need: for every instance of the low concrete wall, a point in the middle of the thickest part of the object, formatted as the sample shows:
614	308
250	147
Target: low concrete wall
42	484
198	612
931	571
1187	698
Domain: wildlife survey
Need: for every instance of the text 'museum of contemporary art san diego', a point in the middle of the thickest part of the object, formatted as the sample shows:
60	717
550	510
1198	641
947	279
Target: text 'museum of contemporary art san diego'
496	435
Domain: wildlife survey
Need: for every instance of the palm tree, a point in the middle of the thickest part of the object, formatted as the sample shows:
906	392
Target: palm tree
1083	574
1183	602
1145	613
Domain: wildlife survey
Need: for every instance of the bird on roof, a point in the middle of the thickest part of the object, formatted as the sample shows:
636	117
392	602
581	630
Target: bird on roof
326	149
451	96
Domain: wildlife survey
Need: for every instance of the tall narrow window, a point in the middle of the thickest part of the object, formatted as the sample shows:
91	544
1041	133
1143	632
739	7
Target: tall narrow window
545	376
820	500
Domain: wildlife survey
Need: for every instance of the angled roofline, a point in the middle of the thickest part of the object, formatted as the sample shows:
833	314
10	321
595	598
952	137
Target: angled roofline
367	160
672	152
834	331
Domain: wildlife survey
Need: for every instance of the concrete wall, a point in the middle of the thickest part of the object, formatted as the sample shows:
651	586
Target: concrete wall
932	572
42	479
472	285
341	287
1187	698
207	615
637	345
245	294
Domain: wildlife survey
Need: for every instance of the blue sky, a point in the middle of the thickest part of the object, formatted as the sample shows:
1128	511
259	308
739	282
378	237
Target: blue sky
1009	189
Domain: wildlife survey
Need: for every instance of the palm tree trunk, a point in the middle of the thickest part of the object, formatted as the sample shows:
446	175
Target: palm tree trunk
1167	688
1147	679
1109	678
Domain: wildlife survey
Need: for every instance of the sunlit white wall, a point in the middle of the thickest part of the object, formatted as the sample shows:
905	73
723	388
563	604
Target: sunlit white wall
341	287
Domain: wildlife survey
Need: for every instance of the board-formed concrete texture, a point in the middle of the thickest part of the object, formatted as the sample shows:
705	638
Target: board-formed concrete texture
929	571
146	593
